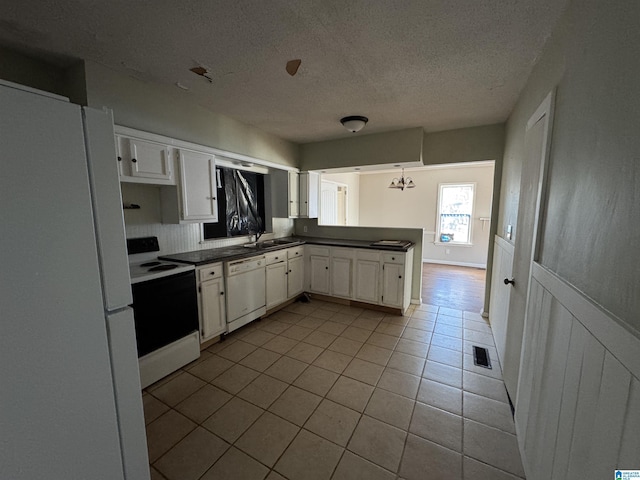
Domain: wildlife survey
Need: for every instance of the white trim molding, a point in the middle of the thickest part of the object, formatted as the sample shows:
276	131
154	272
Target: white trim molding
455	264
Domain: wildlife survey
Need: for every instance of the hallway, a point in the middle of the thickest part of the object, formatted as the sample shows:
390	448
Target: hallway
461	288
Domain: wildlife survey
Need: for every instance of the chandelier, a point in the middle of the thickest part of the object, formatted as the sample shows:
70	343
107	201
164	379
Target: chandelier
402	183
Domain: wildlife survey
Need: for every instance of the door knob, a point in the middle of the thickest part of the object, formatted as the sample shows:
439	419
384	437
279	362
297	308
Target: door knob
507	282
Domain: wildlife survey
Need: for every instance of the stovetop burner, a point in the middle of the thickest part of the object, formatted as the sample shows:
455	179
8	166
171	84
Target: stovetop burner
160	268
150	264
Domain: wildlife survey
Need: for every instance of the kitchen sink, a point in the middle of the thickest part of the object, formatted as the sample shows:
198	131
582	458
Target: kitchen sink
269	243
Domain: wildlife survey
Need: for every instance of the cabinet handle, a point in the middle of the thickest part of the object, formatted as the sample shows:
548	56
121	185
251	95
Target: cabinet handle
507	282
221	293
212	273
290	271
119	159
134	160
399	276
286	273
393	258
326	268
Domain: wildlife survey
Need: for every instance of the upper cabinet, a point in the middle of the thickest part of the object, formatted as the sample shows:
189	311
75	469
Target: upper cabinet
143	161
294	201
197	187
194	200
309	194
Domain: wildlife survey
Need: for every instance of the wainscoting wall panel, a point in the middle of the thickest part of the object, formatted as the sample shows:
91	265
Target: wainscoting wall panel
578	408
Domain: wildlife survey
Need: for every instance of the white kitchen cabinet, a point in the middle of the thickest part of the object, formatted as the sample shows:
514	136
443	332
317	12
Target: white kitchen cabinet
319	274
198	187
341	269
294	195
367	276
309	194
211	292
295	276
142	161
276	286
392	284
194	200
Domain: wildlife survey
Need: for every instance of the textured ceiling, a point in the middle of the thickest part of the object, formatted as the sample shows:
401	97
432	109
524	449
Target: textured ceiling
439	64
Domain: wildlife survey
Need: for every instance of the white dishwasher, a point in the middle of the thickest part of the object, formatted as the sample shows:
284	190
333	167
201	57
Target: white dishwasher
246	297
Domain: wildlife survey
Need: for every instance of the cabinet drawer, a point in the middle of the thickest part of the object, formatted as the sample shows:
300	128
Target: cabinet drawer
393	258
210	272
295	252
317	251
371	255
337	252
275	257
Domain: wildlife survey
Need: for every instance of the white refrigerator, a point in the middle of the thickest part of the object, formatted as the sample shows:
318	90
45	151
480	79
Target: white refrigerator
70	399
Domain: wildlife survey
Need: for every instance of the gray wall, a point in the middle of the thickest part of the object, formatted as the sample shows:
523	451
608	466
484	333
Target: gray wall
464	145
399	146
167	110
590	233
18	68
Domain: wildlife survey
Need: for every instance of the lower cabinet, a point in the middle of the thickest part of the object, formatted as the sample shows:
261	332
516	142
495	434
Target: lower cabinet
342	272
284	275
276	286
295	276
365	275
212	312
367	281
319	270
392	284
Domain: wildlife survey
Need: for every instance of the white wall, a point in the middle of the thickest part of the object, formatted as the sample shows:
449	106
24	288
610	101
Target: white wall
417	207
352	181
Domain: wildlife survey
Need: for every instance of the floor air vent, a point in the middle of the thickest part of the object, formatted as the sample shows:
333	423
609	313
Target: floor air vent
481	357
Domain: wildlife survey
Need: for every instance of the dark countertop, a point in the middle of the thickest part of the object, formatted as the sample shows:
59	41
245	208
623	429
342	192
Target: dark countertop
236	252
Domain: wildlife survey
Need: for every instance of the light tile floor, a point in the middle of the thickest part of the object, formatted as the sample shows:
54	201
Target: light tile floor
326	391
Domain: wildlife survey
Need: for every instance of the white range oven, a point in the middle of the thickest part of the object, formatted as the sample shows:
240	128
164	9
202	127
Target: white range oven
165	309
246	293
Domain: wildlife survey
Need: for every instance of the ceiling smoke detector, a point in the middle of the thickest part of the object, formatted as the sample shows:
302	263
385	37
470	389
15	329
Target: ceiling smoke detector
354	123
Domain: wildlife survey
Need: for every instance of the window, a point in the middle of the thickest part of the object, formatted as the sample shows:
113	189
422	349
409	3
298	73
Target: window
455	210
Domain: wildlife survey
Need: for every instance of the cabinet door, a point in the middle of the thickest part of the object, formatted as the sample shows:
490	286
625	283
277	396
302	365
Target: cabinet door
295	283
392	284
341	276
150	160
319	275
276	287
294	206
367	280
198	187
309	194
214	321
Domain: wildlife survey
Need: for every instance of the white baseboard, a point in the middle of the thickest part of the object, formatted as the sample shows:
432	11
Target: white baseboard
416	301
455	264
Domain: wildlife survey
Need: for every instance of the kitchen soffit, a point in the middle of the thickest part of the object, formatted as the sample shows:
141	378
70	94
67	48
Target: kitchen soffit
438	65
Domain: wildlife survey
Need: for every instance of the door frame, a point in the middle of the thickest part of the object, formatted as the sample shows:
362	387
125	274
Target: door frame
545	109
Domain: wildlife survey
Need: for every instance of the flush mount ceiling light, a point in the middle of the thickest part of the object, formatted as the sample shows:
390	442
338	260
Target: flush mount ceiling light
402	182
354	123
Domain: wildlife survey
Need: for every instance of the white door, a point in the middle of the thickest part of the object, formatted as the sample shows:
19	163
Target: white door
537	143
294	195
500	293
329	203
198	187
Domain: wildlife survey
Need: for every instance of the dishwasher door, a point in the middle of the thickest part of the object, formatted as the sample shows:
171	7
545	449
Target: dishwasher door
246	297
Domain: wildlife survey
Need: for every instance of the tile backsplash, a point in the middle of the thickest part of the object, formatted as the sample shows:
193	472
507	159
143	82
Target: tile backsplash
146	222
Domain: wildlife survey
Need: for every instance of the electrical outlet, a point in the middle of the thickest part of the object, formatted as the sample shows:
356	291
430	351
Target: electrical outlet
304	229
